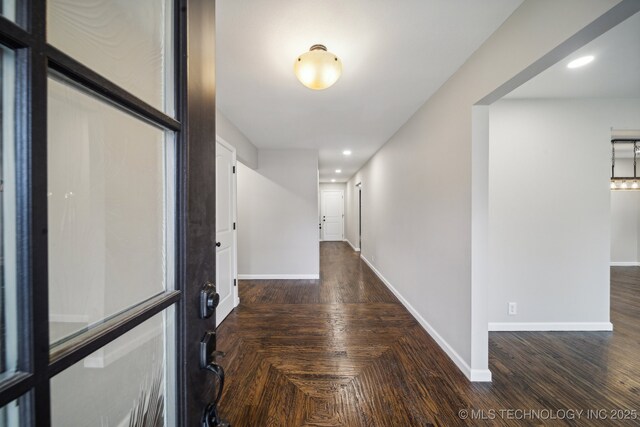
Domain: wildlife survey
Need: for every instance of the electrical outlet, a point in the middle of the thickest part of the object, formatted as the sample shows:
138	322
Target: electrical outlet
513	308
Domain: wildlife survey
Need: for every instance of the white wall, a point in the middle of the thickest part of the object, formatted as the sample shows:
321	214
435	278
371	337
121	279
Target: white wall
278	216
332	186
417	200
246	152
549	211
625	214
625	221
351	210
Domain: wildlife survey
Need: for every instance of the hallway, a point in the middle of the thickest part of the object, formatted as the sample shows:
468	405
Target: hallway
344	351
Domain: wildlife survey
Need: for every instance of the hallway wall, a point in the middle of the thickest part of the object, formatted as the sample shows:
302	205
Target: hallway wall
417	200
278	216
625	220
625	228
246	152
351	210
550	211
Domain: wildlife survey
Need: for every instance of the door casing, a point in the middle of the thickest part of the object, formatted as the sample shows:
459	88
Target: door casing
229	237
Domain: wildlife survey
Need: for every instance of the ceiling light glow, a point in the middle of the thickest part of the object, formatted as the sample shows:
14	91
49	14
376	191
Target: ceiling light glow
347	152
580	62
317	69
333	180
338	170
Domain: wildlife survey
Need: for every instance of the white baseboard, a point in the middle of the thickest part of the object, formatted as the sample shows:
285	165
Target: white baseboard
625	264
351	244
549	326
475	375
278	276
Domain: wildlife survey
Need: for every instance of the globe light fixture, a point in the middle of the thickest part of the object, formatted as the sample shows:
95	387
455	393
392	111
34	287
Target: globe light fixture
317	69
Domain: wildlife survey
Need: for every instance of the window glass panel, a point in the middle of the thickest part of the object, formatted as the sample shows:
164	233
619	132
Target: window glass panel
8	9
128	42
119	384
107	195
10	413
8	287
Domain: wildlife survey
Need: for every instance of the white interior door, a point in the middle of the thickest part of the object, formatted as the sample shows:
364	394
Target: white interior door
225	230
332	215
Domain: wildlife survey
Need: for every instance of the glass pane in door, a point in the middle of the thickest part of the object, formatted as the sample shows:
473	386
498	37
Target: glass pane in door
8	287
8	9
10	413
128	42
107	210
122	384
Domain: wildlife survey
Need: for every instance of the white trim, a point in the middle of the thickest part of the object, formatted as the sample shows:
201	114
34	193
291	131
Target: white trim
479	357
625	264
278	276
351	244
550	326
234	197
472	374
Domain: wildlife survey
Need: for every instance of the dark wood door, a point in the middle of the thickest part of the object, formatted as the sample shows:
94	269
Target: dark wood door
107	232
199	159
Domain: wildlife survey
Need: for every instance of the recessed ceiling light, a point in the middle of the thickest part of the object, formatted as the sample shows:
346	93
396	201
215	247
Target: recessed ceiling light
333	180
347	152
582	61
338	170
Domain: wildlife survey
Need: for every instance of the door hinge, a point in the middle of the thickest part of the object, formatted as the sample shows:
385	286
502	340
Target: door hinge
234	225
235	283
234	169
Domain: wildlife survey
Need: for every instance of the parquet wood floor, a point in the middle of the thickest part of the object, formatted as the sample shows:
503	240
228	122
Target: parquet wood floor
342	351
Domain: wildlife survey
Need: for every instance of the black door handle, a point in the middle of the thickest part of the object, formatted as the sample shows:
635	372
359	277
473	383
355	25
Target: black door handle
211	417
218	244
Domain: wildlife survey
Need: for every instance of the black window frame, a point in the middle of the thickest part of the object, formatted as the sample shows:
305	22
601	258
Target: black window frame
34	59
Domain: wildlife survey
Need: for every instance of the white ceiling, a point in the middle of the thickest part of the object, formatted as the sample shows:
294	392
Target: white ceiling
395	54
614	73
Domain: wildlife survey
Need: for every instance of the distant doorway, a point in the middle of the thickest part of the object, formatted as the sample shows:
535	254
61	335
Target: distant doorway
332	206
359	186
226	249
360	218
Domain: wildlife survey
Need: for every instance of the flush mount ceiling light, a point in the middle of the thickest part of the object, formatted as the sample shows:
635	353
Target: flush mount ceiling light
347	152
338	170
317	69
580	62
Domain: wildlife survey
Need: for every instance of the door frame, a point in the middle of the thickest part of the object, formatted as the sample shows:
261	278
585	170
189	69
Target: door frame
359	187
234	204
322	192
194	127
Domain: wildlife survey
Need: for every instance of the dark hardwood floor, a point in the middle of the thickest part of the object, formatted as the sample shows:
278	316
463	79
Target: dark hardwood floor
342	351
